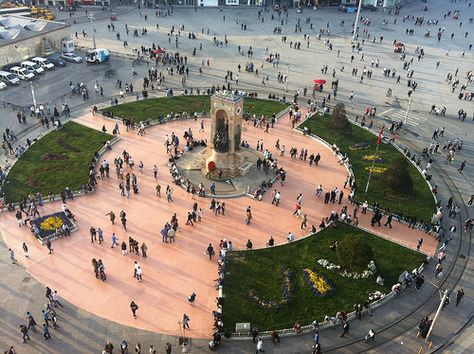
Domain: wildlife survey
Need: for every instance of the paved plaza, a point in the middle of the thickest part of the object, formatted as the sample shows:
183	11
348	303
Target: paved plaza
97	311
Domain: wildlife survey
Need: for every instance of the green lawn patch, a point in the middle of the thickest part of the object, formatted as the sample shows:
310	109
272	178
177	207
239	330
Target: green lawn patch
419	203
152	108
58	160
261	271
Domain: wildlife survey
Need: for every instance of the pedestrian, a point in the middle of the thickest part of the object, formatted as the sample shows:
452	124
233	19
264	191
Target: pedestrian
259	346
345	329
420	243
152	349
459	296
370	335
31	321
114	240
210	251
109	347
24	333
192	298
134	308
55	299
112	217
186	320
168	348
48	244
46	334
254	333
11	254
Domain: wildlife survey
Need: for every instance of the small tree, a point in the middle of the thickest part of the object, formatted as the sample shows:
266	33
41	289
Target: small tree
397	178
339	123
354	253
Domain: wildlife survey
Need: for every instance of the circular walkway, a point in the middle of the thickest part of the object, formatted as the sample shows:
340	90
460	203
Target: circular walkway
172	271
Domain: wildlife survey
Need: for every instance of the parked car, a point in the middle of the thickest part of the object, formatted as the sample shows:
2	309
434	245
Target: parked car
44	63
56	59
72	57
22	73
3	85
33	67
9	78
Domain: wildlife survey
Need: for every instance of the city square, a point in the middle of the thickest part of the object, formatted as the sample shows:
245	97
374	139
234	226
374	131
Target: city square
223	124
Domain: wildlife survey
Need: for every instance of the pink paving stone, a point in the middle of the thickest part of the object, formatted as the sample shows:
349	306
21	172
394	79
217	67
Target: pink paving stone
172	271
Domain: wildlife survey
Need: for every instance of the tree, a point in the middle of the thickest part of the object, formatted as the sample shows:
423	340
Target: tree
354	253
339	123
397	178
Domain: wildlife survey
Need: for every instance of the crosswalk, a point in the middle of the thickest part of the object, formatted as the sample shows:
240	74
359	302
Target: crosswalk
396	115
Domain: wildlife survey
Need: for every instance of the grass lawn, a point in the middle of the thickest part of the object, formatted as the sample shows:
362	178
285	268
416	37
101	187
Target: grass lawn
260	271
58	160
420	203
152	108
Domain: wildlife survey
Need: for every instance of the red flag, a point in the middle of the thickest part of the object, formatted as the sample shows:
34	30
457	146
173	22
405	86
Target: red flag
380	135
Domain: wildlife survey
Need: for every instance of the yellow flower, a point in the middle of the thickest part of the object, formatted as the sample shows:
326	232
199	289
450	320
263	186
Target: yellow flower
51	223
376	169
316	281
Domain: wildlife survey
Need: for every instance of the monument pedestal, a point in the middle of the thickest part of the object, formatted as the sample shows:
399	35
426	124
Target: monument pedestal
229	164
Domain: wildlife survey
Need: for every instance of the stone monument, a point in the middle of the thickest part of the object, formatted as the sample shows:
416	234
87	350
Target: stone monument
223	157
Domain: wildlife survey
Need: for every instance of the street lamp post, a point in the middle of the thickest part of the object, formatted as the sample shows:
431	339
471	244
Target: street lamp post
91	17
287	73
440	307
356	21
408	109
33	94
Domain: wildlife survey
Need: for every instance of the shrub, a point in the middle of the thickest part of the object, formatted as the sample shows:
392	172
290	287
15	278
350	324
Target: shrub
397	178
354	253
339	123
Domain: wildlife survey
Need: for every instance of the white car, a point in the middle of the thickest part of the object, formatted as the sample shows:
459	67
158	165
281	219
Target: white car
72	57
22	73
3	85
33	67
44	63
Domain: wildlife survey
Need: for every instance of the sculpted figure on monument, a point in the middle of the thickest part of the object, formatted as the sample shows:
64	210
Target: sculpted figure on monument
221	136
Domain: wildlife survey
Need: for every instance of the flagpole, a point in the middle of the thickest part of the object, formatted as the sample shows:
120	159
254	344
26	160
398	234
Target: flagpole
371	169
379	140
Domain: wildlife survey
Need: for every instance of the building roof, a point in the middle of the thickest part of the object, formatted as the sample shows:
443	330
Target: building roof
15	28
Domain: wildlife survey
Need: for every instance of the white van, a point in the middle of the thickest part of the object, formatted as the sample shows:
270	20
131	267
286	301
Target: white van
33	67
22	73
44	63
9	78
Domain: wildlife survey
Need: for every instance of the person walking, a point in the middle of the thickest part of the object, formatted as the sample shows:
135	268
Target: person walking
48	245
168	348
192	298
134	308
46	334
123	219
210	251
114	240
459	296
11	254
345	329
25	250
259	346
112	217
186	320
254	333
31	321
24	333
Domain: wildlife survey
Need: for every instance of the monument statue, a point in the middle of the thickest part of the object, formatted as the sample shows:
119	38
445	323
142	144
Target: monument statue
223	151
221	136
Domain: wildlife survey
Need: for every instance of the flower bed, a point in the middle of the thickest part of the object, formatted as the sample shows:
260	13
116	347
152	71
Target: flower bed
318	283
374	158
376	169
287	289
369	272
46	226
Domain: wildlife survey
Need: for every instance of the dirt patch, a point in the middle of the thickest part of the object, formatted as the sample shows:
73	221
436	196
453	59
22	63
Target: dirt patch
61	142
198	104
53	156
